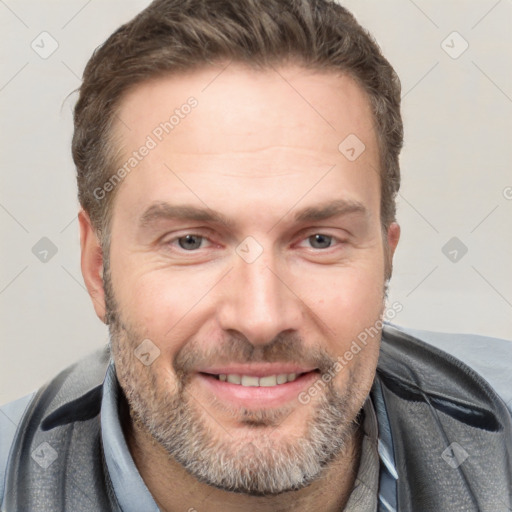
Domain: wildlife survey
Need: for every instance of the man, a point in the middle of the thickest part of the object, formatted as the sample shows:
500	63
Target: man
237	167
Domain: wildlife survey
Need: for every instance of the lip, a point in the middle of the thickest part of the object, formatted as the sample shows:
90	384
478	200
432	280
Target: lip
257	397
257	370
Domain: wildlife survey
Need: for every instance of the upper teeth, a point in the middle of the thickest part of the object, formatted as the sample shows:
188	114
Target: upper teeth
250	380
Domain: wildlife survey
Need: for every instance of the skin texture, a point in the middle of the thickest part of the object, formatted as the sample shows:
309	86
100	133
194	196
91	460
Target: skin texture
259	147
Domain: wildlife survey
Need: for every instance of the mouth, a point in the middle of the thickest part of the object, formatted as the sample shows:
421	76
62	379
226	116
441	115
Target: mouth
255	381
254	390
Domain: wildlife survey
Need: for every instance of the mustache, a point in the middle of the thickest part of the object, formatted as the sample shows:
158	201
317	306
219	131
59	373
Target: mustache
287	347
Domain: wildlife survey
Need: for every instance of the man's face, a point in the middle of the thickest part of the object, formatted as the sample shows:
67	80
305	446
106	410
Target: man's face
246	244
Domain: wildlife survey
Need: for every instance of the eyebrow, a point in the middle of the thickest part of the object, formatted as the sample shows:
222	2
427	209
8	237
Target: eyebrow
332	209
166	211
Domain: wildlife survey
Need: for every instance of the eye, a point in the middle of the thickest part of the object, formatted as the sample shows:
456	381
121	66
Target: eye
320	241
190	242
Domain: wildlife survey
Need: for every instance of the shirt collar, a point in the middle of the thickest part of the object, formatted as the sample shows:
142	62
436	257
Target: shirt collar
130	490
365	492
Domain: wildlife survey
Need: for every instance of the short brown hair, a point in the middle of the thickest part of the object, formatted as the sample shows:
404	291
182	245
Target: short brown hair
180	35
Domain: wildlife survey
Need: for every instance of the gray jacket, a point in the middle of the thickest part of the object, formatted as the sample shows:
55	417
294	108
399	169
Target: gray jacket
445	432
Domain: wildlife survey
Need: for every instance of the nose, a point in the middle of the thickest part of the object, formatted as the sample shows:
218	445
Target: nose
257	302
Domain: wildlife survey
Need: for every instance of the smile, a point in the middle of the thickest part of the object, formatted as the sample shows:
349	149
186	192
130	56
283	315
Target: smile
257	391
253	381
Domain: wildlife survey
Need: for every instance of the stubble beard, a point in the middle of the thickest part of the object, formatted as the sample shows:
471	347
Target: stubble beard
259	463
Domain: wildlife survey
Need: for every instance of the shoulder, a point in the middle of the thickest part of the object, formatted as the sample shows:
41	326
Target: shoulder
10	417
72	395
490	357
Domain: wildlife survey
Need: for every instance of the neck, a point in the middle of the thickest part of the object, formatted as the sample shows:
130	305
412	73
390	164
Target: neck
174	489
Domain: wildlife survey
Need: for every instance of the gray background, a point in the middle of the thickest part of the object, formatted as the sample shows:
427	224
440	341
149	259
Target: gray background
457	180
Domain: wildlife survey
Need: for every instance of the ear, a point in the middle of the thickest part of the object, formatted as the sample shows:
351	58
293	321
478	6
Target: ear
92	264
392	237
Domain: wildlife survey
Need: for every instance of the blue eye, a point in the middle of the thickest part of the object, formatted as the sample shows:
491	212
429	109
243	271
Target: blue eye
190	242
319	241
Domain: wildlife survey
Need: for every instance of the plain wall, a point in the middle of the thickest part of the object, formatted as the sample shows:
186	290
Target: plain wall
456	171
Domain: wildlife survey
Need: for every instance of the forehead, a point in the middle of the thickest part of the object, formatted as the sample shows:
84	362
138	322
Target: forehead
231	129
235	101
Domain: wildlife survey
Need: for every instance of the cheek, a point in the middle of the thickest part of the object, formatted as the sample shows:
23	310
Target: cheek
164	305
347	310
347	300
